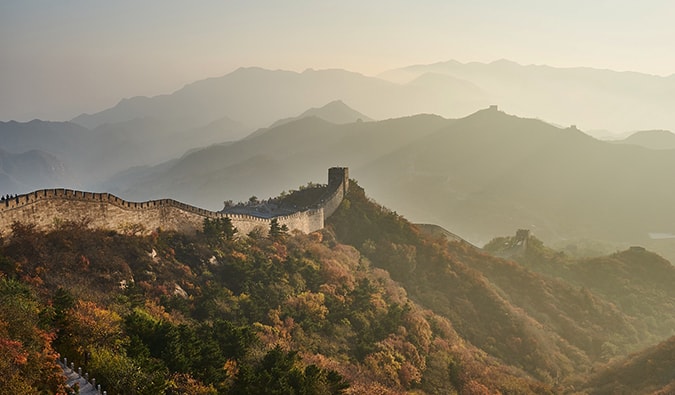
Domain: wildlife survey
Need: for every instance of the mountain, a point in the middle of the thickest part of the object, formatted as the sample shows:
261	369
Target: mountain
145	131
648	372
90	156
218	131
481	176
652	139
334	112
27	171
61	139
273	160
494	172
638	282
147	141
513	311
257	98
591	98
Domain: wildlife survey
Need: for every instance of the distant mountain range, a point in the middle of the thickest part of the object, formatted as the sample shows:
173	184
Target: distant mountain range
335	112
31	170
257	131
92	155
652	139
272	160
590	98
480	176
255	97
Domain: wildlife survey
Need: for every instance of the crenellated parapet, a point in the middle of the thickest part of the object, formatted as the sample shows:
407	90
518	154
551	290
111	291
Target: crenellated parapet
46	207
93	197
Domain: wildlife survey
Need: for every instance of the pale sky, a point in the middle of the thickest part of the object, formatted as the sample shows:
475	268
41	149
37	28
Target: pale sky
62	58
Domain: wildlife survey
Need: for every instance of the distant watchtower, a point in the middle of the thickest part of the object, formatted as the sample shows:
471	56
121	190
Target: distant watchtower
337	176
493	107
522	234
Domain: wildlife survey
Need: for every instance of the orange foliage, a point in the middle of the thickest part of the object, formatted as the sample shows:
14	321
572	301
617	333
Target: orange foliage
12	350
95	326
184	384
475	388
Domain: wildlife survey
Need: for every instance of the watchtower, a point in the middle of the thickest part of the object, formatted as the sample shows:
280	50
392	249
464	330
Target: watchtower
522	234
337	176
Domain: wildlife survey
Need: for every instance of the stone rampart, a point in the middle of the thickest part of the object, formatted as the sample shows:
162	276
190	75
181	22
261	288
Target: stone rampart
338	186
45	208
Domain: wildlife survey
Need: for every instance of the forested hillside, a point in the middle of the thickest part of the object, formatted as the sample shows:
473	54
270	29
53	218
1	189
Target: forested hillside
368	305
221	312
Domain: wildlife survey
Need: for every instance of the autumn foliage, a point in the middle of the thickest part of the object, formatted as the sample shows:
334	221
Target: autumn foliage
367	305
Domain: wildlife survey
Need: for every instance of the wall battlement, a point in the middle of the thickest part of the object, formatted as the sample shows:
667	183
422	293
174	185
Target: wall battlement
46	207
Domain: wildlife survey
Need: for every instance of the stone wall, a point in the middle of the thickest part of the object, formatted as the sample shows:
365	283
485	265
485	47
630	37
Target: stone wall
47	207
338	185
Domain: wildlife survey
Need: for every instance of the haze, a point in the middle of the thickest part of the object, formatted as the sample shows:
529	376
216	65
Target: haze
60	59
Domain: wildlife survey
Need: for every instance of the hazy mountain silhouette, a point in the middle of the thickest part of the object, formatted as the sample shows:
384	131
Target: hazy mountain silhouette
334	112
591	98
652	139
479	176
257	98
57	138
20	173
53	154
149	141
273	160
500	172
92	155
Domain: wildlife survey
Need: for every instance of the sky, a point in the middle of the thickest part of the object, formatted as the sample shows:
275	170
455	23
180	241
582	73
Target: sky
59	59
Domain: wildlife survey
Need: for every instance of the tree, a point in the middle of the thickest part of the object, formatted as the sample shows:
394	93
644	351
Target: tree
277	231
219	228
280	372
27	359
120	374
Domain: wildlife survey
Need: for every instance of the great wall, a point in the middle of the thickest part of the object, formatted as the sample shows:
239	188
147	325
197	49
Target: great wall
45	208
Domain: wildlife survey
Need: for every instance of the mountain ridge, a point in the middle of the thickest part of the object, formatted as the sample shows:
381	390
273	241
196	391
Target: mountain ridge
335	111
30	169
652	139
523	171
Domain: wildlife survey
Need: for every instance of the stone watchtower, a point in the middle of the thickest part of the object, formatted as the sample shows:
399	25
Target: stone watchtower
522	234
337	176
